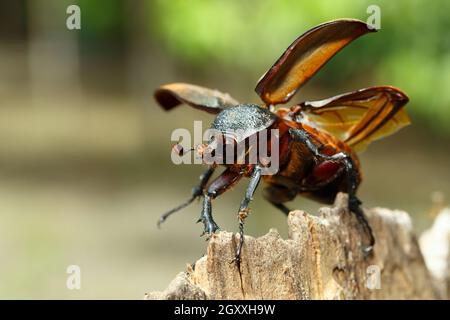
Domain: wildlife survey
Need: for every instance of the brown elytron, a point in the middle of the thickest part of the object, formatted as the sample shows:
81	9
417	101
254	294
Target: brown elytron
318	140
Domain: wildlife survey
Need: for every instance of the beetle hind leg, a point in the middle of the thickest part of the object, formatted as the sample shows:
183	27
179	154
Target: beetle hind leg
355	207
354	204
351	176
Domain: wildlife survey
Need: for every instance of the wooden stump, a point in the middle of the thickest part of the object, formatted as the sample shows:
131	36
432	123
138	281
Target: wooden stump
322	259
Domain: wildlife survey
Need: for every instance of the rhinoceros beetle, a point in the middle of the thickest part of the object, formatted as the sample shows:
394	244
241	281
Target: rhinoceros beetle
318	140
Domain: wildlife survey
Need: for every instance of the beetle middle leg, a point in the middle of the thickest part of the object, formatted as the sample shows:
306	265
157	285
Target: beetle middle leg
277	195
244	209
281	207
351	176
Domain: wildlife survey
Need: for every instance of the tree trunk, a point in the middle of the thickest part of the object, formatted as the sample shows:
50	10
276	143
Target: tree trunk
322	259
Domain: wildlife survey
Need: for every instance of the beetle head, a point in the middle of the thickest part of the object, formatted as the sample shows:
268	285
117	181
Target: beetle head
232	129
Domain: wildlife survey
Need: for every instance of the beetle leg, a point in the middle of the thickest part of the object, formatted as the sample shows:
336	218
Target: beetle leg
244	209
304	137
216	188
197	191
354	203
281	207
277	194
210	226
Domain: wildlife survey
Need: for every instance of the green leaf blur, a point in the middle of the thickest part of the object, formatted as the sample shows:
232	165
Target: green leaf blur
411	51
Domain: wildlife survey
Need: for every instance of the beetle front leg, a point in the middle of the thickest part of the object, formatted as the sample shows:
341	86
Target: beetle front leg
244	209
210	226
354	203
197	191
222	183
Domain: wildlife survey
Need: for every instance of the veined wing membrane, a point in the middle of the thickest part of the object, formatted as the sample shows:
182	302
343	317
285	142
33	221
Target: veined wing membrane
358	117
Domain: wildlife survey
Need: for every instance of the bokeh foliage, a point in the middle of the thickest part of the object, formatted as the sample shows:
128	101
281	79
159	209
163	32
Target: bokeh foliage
85	151
411	51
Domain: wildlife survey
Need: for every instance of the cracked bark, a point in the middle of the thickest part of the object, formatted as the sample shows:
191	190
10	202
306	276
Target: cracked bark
321	259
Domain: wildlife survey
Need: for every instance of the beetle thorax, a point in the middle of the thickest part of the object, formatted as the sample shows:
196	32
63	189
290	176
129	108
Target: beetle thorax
243	120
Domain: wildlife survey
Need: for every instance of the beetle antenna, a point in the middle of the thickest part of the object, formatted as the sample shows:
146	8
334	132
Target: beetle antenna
179	150
170	212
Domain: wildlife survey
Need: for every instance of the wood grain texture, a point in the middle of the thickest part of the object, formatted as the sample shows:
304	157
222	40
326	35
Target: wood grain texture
321	259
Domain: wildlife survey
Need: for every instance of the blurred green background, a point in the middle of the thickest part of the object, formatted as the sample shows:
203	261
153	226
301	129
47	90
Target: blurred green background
85	166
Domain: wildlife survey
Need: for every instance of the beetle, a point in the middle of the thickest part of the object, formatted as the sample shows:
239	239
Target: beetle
318	140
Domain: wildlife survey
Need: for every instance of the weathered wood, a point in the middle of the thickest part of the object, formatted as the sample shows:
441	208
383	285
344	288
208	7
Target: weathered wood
322	259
